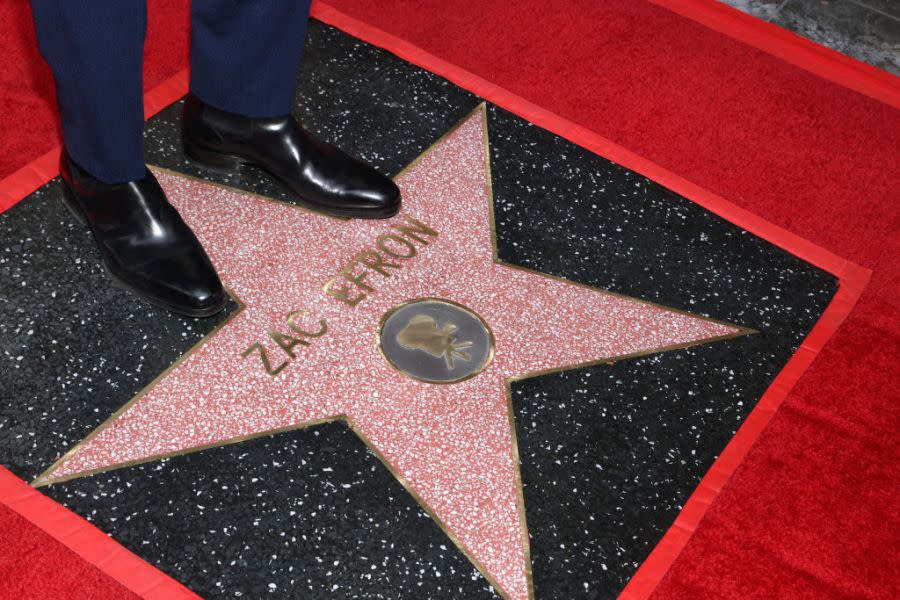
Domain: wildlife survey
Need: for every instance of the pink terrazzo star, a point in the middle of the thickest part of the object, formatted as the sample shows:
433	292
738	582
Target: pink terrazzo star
453	445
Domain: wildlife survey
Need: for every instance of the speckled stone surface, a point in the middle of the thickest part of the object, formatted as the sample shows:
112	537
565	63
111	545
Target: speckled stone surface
305	514
608	453
72	345
451	445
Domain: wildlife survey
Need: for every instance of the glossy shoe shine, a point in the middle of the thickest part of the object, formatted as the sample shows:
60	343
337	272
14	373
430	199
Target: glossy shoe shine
321	176
146	246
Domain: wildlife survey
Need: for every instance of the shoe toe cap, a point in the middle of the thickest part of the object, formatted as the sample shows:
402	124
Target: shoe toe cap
381	193
196	292
187	285
372	193
209	298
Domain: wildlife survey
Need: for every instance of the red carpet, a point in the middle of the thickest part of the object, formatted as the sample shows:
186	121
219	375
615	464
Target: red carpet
812	510
47	551
28	124
34	565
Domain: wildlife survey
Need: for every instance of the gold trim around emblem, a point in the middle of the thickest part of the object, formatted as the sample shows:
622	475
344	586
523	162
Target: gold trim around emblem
46	477
395	367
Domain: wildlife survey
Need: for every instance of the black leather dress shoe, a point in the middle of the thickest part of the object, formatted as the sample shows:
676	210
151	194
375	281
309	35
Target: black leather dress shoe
319	175
146	247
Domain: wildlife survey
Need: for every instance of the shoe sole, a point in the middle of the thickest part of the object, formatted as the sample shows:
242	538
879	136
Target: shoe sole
68	198
227	163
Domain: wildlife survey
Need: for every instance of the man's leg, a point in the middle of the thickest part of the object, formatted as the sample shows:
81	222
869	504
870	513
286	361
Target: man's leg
244	62
245	55
95	48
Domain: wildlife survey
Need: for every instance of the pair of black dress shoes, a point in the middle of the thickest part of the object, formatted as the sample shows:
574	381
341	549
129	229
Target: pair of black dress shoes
146	246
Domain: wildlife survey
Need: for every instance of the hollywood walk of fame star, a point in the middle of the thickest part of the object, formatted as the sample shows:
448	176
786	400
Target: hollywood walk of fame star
451	445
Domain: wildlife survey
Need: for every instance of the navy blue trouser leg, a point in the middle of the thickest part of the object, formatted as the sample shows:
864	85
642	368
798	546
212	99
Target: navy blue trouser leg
244	59
96	48
245	54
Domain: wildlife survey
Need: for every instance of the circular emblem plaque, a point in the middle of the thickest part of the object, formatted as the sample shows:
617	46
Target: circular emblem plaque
435	340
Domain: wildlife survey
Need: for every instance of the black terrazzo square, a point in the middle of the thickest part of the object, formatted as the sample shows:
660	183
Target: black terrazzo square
609	453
